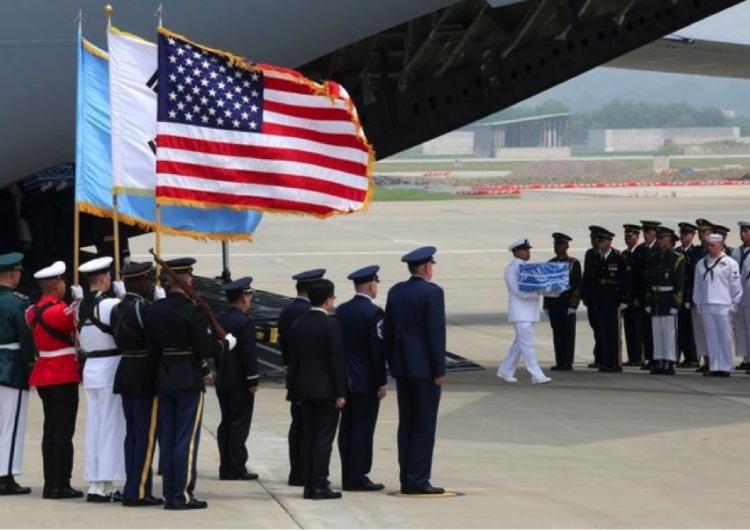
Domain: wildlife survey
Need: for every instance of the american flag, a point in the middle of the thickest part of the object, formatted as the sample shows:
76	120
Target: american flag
254	136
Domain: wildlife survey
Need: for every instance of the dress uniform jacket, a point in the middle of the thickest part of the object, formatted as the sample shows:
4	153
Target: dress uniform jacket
742	317
16	343
135	373
238	368
564	324
289	315
587	297
612	280
522	306
52	315
666	282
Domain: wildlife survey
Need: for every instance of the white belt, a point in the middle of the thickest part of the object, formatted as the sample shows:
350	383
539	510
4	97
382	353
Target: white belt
10	346
58	353
662	288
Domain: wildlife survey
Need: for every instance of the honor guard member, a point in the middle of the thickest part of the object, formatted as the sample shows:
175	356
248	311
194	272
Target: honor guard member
561	310
414	337
236	382
717	293
723	231
318	379
56	376
288	316
362	327
705	229
631	315
639	270
587	290
523	314
612	291
180	341
105	422
742	316
685	339
666	283
16	358
135	383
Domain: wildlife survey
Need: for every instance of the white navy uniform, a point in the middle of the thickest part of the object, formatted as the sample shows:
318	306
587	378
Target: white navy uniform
105	420
742	317
717	292
523	313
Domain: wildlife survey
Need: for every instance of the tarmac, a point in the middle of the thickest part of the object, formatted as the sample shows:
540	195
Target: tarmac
588	450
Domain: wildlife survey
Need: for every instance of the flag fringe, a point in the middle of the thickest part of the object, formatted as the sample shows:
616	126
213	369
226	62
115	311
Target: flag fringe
168	201
93	50
143	225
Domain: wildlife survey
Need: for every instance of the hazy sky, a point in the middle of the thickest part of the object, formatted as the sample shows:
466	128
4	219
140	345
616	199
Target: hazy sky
724	26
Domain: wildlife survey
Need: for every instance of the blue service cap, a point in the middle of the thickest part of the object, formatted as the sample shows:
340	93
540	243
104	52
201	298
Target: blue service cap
308	276
559	237
181	265
365	275
238	286
134	270
11	262
419	256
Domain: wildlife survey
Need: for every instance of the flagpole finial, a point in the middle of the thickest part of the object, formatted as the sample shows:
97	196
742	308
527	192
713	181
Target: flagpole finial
79	19
160	14
108	10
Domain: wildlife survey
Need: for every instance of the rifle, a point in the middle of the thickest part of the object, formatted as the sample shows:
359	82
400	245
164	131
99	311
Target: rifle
192	294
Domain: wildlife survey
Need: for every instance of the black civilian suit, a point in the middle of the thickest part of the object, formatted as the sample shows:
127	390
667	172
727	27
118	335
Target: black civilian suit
361	323
180	341
564	324
639	265
318	377
612	287
414	344
289	315
236	373
587	296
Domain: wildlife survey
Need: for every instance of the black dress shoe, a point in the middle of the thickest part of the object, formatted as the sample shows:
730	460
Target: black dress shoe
116	496
631	363
555	367
247	475
146	501
95	497
593	365
194	504
324	494
65	493
426	490
701	369
366	486
14	488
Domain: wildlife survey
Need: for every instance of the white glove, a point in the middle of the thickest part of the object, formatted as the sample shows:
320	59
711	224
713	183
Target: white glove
120	290
76	292
734	309
648	310
687	305
571	311
623	307
159	292
231	341
673	311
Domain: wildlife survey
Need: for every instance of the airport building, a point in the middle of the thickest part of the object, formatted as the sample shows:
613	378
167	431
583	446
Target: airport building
647	140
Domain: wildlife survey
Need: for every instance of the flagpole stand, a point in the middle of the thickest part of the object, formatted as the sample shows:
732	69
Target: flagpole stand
226	274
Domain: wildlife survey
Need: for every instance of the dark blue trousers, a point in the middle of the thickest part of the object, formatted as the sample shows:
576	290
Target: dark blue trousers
356	433
179	437
418	402
141	413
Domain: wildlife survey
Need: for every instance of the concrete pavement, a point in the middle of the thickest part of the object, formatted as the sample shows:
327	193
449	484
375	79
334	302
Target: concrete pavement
589	450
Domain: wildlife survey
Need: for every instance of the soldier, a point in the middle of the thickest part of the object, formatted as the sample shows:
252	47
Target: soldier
16	358
237	382
587	291
56	375
723	231
640	277
105	422
698	252
414	336
665	285
362	328
561	310
288	316
612	291
180	341
135	384
685	339
631	315
717	293
742	316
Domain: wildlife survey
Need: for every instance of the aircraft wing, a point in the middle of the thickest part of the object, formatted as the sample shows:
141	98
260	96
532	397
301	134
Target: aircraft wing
685	55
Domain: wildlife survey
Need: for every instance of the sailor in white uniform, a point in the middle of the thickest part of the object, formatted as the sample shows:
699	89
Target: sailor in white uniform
523	313
105	421
742	317
717	293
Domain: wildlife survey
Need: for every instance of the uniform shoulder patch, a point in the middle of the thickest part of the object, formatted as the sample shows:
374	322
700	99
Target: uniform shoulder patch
20	296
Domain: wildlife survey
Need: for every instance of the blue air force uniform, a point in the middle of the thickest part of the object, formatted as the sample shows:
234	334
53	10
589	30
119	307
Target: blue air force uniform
180	341
414	336
362	325
237	374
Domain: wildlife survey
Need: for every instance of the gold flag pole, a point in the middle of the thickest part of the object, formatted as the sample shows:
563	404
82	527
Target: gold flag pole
108	10
160	14
77	210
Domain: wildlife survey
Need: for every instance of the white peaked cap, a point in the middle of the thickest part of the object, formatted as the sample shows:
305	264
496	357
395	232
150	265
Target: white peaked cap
715	238
743	223
53	271
96	265
521	241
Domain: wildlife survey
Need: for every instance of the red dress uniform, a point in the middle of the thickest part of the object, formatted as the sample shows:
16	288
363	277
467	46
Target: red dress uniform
57	363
